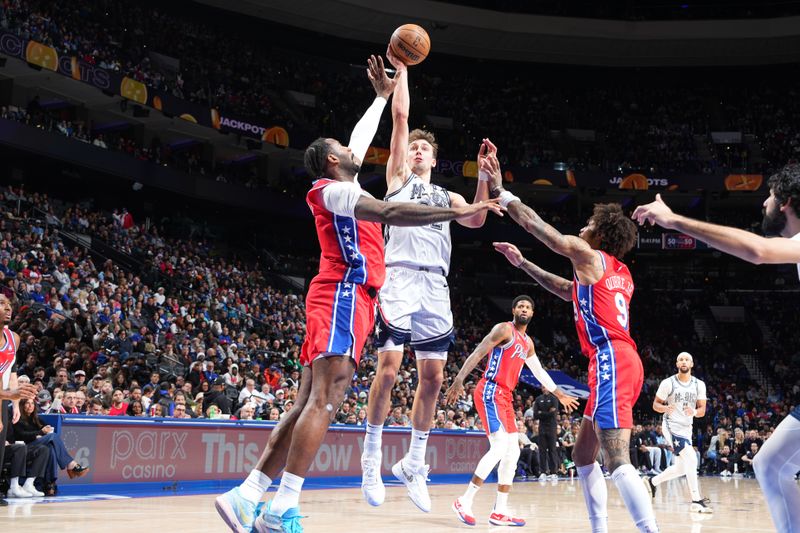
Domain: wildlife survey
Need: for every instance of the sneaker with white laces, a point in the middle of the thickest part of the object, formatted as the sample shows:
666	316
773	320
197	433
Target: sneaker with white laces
464	512
16	491
238	512
371	483
501	519
415	481
701	506
288	522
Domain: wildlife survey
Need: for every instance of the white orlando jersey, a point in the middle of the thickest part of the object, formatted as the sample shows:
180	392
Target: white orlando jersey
424	246
681	395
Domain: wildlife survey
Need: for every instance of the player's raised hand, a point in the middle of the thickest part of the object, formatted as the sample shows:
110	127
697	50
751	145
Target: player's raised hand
656	213
398	65
492	205
454	392
383	84
511	252
491	166
569	402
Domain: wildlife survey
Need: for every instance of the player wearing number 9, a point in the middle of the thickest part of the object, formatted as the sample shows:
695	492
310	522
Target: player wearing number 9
600	291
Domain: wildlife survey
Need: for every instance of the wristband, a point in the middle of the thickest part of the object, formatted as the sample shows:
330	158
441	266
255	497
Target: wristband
483	176
506	198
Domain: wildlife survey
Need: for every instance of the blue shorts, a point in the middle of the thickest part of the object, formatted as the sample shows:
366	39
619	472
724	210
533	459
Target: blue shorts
796	412
679	443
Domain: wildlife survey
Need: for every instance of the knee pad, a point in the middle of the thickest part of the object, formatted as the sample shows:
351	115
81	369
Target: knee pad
497	449
508	464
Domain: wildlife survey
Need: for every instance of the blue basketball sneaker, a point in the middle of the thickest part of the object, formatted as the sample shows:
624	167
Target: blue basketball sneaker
236	511
289	522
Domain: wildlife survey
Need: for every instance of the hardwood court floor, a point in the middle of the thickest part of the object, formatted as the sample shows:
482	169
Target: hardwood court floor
549	506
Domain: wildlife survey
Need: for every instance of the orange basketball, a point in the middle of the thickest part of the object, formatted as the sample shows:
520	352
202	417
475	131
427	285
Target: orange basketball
410	43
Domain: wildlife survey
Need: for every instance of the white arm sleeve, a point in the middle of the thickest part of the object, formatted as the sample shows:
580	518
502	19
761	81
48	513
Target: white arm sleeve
540	373
340	198
365	130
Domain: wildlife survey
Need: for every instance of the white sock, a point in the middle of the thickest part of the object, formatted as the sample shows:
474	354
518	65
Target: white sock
468	496
417	447
636	499
254	486
501	503
595	492
373	440
674	471
288	494
775	466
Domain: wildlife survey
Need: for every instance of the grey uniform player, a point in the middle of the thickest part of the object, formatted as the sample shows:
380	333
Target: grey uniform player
681	398
414	302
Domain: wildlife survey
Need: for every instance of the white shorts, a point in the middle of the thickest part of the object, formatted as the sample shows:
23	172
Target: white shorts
414	308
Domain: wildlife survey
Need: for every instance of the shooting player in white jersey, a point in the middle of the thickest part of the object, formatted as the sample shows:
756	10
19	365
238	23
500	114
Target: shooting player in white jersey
414	302
681	398
779	459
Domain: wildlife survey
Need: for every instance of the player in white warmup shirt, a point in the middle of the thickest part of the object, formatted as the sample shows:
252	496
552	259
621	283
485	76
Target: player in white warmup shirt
681	398
414	302
779	459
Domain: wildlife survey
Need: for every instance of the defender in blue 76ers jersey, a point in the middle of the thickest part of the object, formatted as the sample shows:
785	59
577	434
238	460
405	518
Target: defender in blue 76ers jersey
508	348
779	459
600	292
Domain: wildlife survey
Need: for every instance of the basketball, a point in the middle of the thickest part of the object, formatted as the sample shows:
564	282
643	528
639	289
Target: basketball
410	43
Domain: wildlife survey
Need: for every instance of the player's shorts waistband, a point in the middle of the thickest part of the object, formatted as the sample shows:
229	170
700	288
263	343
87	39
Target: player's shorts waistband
433	270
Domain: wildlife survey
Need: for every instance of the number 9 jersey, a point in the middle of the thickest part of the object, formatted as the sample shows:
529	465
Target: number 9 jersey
601	310
602	320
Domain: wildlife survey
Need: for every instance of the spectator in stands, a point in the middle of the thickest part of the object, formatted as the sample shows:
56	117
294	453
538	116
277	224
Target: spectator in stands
135	408
24	463
179	411
118	406
232	377
68	405
34	433
43	401
218	398
96	407
247	412
747	459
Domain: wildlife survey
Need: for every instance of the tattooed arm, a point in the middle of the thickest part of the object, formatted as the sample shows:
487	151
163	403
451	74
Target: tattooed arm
585	260
556	284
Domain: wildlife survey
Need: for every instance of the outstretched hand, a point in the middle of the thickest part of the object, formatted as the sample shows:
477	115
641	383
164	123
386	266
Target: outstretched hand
478	207
398	65
490	165
656	213
454	392
381	82
569	402
511	252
